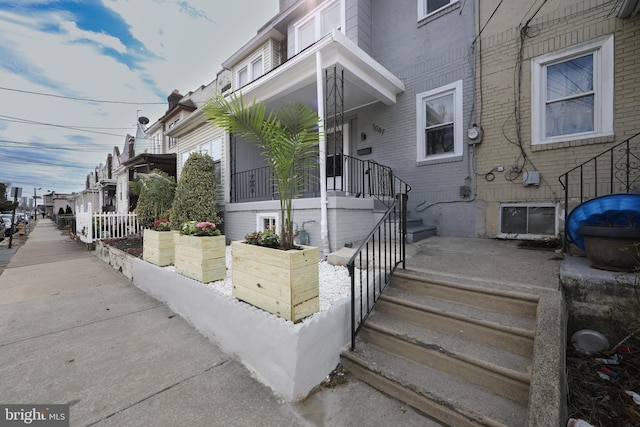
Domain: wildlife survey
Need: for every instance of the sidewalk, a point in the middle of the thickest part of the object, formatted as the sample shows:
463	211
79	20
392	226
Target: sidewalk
75	331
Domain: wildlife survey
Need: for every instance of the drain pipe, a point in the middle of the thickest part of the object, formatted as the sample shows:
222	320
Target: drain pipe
324	229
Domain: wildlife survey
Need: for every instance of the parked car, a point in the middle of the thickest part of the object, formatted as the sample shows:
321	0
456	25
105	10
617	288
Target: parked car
10	227
3	229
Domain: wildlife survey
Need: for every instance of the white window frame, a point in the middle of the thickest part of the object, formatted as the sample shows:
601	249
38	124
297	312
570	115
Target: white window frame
248	67
422	8
603	88
529	205
454	88
273	217
316	16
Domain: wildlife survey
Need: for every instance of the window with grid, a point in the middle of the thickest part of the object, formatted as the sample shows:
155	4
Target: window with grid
572	93
439	122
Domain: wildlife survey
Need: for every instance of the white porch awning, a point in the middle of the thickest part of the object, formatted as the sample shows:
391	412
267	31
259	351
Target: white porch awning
365	81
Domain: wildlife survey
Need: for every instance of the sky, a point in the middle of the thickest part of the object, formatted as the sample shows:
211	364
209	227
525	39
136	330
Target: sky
76	74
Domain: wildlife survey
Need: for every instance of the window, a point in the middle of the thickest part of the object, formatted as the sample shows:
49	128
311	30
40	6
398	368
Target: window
317	24
532	219
172	142
572	93
243	76
428	7
214	149
268	220
439	122
250	71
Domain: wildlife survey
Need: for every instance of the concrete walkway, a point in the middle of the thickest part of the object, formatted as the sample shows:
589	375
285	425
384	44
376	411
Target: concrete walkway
74	331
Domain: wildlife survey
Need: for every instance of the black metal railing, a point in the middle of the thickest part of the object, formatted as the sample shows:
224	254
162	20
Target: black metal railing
376	259
616	170
346	174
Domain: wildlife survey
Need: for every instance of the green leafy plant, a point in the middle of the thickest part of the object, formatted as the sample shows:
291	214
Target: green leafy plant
156	192
288	138
267	238
195	192
195	228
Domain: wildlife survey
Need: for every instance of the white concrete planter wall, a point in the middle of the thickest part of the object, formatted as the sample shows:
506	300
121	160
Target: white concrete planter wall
290	358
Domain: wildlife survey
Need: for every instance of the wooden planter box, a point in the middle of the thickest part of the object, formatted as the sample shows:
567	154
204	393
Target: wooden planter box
157	247
200	257
284	283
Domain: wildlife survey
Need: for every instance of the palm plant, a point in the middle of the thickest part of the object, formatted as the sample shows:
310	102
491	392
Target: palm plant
288	138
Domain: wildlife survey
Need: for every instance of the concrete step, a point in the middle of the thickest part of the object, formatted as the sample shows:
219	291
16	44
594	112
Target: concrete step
420	232
452	338
501	372
522	304
437	394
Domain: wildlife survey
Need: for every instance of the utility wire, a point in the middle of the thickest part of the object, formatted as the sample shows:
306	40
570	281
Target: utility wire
102	101
78	128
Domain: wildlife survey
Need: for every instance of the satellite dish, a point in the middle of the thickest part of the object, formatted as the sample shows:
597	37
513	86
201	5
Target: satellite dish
143	120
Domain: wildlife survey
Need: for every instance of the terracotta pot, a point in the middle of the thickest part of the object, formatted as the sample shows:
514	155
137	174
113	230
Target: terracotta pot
612	248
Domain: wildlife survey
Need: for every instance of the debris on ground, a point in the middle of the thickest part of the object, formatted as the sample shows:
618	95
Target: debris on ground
338	376
599	385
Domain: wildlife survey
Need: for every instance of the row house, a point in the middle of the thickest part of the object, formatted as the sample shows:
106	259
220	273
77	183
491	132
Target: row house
556	85
100	188
478	107
393	86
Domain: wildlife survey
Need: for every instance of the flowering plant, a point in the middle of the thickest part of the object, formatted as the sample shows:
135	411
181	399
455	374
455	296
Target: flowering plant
161	225
195	228
267	238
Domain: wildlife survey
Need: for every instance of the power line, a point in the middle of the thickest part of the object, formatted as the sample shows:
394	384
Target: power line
81	99
66	147
78	128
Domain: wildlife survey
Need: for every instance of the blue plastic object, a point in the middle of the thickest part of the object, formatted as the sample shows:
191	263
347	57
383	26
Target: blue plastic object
621	210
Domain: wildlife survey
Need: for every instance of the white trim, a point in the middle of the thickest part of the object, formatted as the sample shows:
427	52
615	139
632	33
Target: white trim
248	66
261	216
422	9
454	88
316	16
603	87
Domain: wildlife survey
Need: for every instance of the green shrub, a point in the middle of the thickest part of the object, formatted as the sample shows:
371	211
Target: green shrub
195	198
156	193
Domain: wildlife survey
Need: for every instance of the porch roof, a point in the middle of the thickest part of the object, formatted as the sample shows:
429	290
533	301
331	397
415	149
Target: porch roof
365	80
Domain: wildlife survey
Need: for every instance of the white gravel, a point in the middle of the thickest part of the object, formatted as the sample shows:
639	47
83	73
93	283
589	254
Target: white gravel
335	283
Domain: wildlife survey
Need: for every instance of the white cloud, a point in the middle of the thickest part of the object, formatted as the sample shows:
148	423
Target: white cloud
180	45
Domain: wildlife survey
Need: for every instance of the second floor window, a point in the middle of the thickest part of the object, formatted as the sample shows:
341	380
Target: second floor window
427	7
317	24
439	120
250	71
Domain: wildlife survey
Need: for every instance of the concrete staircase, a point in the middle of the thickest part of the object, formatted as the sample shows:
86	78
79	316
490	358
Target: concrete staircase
459	354
417	230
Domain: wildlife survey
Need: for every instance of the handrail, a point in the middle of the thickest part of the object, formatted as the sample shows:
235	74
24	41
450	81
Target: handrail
615	170
377	258
347	174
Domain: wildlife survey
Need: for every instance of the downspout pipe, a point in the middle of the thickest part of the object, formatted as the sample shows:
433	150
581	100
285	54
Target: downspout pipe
322	153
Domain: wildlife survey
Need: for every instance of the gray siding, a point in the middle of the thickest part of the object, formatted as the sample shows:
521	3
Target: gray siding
358	23
424	55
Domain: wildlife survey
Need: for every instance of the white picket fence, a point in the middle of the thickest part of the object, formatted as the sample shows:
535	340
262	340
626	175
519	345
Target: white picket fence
92	226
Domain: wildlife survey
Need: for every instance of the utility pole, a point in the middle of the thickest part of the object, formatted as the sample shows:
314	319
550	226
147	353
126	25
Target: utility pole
17	192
